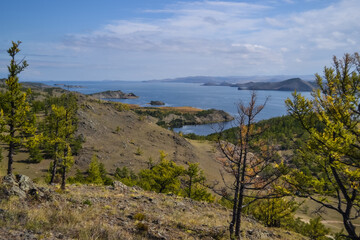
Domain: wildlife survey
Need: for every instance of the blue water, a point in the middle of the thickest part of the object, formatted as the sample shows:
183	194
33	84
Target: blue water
189	94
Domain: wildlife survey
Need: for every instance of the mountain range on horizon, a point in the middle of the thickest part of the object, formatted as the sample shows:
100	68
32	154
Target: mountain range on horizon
233	79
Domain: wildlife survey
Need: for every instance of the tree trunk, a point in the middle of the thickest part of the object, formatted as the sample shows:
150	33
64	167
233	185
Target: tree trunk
11	149
190	186
12	135
63	179
235	206
242	181
10	157
239	211
350	228
53	170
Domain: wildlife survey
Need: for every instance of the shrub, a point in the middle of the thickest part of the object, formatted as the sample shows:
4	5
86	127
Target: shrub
163	177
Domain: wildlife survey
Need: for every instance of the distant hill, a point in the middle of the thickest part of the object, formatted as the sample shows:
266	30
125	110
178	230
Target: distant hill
286	85
225	81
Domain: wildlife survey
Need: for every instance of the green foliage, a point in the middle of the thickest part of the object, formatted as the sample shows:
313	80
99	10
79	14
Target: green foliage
87	202
94	173
37	106
104	175
194	183
275	212
124	172
59	129
126	176
139	152
16	120
139	216
163	177
78	178
33	145
334	149
121	106
285	131
315	230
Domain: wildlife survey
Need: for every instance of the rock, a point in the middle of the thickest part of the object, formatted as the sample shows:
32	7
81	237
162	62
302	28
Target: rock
15	190
157	103
23	187
120	187
25	183
10	179
10	187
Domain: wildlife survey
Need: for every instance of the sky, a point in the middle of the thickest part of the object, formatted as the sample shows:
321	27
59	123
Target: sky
67	40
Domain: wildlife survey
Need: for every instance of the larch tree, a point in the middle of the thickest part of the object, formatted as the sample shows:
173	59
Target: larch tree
194	183
334	147
17	121
249	161
60	128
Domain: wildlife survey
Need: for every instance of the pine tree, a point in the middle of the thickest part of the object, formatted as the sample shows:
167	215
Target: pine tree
16	124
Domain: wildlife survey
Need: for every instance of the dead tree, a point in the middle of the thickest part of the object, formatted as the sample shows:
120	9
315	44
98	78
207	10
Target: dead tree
249	161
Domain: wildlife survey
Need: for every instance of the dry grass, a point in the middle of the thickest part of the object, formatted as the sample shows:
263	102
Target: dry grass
95	212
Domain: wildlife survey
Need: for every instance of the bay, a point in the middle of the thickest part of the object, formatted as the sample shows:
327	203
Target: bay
188	94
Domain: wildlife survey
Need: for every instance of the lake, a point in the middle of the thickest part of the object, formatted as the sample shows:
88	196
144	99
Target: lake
188	94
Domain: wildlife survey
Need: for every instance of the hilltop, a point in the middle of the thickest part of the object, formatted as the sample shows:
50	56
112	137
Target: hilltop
286	85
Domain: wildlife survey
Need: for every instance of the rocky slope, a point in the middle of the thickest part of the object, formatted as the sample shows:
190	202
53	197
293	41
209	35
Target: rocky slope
119	212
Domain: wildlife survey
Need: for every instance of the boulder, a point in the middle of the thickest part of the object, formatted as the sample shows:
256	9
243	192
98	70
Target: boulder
21	186
10	187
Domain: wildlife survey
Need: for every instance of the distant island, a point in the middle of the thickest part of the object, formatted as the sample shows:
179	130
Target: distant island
286	85
113	95
157	103
68	85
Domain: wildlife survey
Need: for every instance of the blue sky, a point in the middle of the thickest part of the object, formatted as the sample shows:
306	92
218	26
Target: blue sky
143	39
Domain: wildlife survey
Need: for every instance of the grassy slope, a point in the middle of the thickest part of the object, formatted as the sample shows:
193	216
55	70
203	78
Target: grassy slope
90	212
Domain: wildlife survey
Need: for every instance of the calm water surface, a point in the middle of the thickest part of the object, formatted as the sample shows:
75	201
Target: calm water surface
189	94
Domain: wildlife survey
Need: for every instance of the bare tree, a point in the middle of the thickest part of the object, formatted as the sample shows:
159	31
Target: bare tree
249	161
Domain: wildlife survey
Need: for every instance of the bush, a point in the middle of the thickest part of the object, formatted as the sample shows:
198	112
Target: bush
163	177
126	176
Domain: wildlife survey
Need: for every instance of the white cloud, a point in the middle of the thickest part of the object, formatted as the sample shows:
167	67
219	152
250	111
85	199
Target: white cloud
230	35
